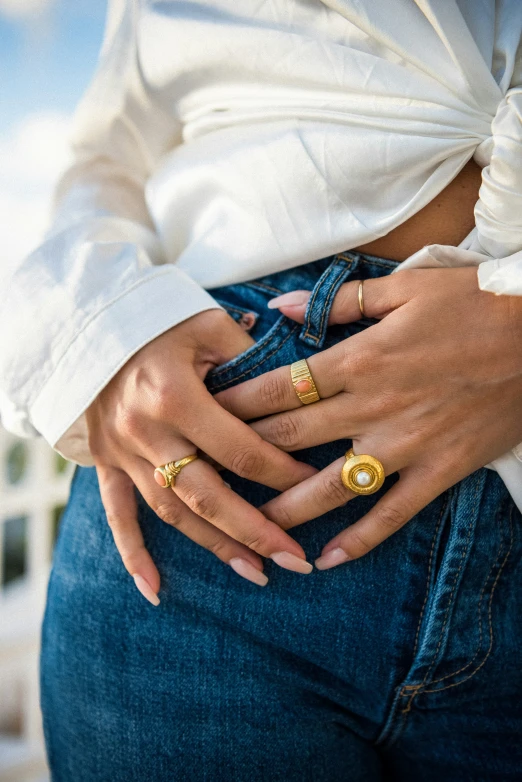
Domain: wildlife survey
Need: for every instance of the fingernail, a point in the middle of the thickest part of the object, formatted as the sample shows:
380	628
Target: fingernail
334	557
291	562
248	571
146	590
292	299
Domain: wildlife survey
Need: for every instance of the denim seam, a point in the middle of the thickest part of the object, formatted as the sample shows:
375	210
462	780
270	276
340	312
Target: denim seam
430	563
260	345
383	263
264	286
481	596
414	689
490	611
396	721
251	369
331	291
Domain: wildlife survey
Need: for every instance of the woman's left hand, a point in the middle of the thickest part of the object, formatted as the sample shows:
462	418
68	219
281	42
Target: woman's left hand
434	391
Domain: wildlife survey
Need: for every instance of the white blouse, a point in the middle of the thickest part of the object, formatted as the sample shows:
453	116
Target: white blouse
220	141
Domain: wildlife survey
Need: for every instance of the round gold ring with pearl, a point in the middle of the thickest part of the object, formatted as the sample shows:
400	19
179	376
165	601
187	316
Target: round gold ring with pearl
362	474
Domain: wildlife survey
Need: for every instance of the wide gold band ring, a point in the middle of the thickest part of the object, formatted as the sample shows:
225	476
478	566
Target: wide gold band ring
167	473
303	382
362	474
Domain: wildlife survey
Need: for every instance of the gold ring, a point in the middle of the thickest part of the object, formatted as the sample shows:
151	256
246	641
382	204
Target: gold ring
360	298
303	382
171	470
362	474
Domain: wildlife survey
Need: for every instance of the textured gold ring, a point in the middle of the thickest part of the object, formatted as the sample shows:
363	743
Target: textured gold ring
360	298
362	474
167	473
303	382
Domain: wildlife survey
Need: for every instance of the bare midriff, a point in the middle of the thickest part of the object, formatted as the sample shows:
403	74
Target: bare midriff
446	220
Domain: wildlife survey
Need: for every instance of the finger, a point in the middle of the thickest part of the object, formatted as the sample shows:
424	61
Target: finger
321	493
331	419
174	512
401	503
202	490
237	447
119	501
273	392
380	297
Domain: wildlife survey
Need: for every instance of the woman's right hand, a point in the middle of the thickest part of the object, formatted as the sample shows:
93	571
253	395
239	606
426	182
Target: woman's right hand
157	409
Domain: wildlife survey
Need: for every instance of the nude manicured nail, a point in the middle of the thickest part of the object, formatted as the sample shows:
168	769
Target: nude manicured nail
146	590
334	557
293	299
291	562
248	571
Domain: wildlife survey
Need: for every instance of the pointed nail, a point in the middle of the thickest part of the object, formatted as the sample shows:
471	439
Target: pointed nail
146	590
332	558
291	562
292	299
244	568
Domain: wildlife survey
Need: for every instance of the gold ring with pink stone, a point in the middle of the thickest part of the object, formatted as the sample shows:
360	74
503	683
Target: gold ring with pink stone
303	382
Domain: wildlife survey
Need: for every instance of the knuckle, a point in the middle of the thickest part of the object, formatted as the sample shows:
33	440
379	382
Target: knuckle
288	432
256	542
357	545
115	520
332	489
202	501
221	548
127	421
390	517
273	391
246	462
162	404
169	514
281	514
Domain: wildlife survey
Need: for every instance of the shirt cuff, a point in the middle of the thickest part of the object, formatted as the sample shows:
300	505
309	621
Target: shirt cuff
502	275
153	305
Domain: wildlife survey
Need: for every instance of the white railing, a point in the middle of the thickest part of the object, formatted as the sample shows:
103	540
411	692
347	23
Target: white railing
34	486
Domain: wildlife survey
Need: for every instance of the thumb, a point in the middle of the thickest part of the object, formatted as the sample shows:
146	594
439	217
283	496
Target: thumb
380	297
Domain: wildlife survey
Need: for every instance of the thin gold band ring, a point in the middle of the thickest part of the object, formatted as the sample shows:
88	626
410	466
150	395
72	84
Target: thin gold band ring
360	298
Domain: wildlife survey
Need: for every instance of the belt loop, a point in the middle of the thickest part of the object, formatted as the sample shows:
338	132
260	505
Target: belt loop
320	302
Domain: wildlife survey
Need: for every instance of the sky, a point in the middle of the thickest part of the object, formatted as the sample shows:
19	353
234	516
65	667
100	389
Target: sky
48	52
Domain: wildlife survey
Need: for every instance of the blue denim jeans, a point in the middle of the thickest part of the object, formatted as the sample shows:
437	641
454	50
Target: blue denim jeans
402	665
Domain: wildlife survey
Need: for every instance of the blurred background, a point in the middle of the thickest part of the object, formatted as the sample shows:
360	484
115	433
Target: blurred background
48	51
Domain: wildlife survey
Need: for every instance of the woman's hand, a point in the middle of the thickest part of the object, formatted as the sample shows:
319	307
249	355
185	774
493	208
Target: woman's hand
157	409
434	391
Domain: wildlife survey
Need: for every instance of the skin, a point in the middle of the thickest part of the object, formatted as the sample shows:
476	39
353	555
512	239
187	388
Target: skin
434	391
418	417
145	417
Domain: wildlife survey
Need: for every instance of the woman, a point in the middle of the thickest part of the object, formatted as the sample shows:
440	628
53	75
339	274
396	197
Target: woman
245	180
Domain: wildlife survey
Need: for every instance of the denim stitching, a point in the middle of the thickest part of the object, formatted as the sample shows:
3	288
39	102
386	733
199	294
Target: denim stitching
490	610
482	591
263	286
327	301
260	345
385	264
439	522
265	358
331	293
415	688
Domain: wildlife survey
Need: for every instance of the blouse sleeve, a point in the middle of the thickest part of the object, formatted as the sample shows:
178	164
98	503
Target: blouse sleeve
498	213
98	288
